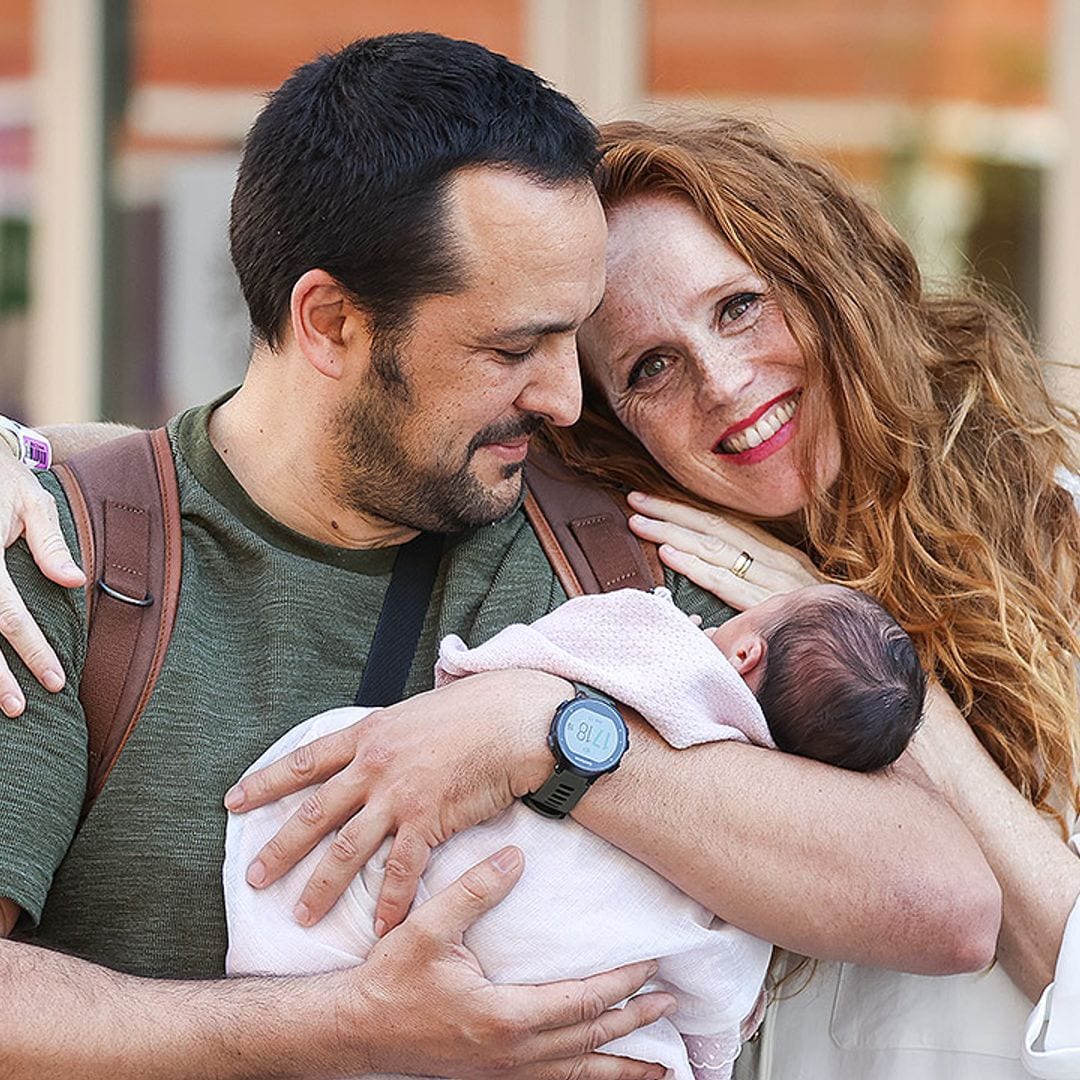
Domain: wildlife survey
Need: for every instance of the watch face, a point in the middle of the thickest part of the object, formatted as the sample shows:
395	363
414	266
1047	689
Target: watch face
591	735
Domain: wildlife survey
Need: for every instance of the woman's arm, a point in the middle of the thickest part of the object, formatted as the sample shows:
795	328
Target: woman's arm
1039	875
69	439
27	511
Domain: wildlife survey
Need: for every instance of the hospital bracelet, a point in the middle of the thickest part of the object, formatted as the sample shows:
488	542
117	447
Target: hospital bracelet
30	447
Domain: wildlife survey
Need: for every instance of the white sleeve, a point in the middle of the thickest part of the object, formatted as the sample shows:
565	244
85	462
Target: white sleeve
1051	1048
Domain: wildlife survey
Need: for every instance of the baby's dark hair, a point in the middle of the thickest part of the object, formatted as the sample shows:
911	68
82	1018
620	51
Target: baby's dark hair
842	682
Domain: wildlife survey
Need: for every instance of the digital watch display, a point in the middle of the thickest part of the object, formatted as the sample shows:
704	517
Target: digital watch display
588	738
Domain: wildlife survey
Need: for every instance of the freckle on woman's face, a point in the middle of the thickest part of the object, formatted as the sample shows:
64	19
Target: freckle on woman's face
694	355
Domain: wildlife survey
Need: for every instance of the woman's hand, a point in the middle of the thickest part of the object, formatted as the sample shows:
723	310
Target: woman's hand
944	746
27	510
420	770
711	549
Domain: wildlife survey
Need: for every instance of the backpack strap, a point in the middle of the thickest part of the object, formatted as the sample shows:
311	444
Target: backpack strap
582	529
126	505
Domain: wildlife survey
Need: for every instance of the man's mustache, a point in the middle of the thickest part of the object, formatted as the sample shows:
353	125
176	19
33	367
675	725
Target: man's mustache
507	431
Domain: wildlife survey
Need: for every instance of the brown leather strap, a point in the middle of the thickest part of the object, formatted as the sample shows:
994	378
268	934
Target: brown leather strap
582	529
127	511
552	549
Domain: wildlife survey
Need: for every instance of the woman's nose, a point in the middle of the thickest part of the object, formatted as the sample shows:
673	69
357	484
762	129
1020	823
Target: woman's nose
723	375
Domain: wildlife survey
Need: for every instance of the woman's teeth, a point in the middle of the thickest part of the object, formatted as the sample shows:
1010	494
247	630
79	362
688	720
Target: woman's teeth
765	427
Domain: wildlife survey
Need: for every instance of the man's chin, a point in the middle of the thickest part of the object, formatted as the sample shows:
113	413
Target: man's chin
505	497
515	503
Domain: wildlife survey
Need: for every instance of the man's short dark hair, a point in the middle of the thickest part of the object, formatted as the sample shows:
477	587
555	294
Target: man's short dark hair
347	166
843	683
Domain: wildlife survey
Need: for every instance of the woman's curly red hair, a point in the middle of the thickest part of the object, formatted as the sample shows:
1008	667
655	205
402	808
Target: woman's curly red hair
947	507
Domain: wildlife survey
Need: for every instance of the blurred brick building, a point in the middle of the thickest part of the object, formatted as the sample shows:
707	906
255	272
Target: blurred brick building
121	120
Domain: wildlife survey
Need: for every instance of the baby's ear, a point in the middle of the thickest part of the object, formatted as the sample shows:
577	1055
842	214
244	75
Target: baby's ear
748	654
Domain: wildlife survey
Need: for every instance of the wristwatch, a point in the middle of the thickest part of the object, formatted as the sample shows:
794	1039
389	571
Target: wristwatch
29	446
587	738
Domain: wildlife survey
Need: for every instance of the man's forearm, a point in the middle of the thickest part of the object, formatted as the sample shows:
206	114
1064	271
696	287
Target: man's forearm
68	439
831	863
65	1018
873	869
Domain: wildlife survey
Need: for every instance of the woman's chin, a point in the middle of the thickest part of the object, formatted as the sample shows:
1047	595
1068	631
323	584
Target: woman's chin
770	499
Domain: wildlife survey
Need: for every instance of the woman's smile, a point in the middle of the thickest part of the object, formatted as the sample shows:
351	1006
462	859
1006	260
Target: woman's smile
763	433
694	356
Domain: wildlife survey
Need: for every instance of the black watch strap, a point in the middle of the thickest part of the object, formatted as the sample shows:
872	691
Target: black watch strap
559	794
584	690
562	791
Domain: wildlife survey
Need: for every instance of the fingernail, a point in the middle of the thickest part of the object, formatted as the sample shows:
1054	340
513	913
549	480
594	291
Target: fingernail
71	568
52	680
380	927
652	969
11	704
234	798
256	874
670	1008
506	860
302	914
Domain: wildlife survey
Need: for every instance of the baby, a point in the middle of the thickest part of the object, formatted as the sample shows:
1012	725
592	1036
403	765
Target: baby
837	679
836	676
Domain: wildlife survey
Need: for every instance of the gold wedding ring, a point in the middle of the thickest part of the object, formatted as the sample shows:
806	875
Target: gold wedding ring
743	564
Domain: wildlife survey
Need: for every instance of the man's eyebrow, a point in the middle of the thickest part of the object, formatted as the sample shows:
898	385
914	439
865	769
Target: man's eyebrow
537	329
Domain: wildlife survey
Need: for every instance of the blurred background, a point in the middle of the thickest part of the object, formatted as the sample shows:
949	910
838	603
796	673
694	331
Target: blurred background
121	123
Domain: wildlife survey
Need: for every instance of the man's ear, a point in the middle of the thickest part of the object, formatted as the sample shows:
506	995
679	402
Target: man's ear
324	321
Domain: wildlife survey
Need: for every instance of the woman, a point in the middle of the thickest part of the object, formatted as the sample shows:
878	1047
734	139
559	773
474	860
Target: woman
764	347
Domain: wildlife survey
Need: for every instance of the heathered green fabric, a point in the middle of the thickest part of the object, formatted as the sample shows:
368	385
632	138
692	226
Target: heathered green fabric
271	628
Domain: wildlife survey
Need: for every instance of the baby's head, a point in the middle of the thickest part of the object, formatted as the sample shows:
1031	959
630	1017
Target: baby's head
836	676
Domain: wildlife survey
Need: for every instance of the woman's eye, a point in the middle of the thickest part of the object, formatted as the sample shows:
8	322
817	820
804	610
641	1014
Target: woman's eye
737	307
648	367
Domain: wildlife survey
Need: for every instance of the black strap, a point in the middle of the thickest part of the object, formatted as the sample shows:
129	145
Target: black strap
400	621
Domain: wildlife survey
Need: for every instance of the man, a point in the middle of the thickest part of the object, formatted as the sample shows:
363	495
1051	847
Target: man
415	293
418	241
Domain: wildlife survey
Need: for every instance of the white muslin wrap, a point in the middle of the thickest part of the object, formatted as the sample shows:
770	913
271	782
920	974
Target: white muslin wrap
582	905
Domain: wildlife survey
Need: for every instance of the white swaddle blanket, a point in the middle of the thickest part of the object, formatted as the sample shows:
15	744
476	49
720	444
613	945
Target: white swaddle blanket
582	906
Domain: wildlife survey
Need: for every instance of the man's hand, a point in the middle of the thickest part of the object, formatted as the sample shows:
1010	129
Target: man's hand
426	1008
27	510
419	1005
420	770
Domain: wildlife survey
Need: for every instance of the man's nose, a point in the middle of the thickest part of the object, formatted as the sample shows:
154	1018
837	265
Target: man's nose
554	391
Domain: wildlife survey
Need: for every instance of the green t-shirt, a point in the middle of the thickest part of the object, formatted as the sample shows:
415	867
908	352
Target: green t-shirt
271	628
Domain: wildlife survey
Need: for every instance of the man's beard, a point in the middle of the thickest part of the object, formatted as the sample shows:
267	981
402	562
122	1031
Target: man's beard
379	478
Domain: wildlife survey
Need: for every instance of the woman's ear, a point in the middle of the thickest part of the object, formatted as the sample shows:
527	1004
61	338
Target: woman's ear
323	321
